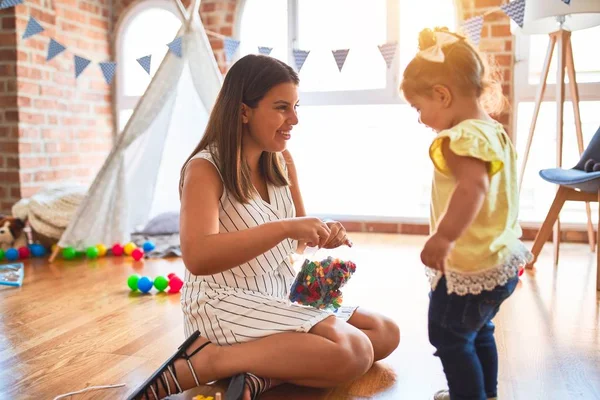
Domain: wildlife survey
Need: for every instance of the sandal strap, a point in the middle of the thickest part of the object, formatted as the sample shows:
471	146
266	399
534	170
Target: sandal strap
257	385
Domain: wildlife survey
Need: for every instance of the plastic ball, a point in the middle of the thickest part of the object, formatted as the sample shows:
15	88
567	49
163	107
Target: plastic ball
11	254
1	254
91	252
69	253
117	249
137	254
24	252
132	282
144	284
148	247
101	250
172	274
129	247
161	283
175	284
37	250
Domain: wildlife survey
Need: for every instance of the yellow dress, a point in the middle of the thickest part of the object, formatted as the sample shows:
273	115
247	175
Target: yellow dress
490	251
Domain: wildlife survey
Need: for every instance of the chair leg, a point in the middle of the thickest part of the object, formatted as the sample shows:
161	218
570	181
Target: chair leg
546	228
556	240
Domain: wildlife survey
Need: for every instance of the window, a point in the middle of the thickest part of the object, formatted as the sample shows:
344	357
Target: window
138	36
355	130
537	194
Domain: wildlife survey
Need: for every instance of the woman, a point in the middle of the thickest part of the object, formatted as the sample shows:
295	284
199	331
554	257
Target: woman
242	216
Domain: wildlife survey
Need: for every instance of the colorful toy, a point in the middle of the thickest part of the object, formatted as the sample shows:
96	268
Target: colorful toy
117	250
69	253
144	284
137	254
175	284
161	283
37	250
1	254
92	252
129	247
132	282
101	250
148	247
11	254
24	252
318	283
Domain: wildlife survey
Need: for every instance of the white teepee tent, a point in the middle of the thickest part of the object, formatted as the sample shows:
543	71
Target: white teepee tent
140	176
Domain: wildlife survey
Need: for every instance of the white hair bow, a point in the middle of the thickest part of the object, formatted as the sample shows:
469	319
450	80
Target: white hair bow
434	53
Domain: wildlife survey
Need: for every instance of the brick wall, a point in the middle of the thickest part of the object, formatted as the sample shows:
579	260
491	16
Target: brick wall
497	43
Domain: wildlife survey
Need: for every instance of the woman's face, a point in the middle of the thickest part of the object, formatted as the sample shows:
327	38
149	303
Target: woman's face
269	125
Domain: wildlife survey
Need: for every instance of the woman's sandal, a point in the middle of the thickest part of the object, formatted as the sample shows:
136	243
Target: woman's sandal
237	386
150	388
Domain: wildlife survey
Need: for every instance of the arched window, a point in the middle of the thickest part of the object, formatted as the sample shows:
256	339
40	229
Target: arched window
145	29
360	150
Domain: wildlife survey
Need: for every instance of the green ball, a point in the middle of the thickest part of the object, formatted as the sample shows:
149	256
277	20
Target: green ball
92	252
1	254
132	282
161	283
68	253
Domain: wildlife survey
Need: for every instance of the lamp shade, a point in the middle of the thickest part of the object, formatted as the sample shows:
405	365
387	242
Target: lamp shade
543	16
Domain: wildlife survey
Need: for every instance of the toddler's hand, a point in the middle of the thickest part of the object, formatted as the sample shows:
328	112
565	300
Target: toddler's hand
436	252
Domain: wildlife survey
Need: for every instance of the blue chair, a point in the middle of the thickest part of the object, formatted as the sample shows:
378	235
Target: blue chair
575	184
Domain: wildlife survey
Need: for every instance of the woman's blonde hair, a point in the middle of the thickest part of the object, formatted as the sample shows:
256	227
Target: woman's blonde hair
246	82
463	68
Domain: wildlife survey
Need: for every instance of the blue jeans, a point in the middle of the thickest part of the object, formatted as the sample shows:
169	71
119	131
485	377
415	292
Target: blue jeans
461	330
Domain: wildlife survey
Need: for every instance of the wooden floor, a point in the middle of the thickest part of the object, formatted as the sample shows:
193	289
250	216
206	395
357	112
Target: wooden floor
75	324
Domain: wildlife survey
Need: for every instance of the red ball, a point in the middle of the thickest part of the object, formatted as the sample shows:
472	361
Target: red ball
175	284
24	252
521	270
172	274
117	249
137	254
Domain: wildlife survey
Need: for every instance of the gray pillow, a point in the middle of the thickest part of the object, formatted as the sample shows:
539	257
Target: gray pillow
163	224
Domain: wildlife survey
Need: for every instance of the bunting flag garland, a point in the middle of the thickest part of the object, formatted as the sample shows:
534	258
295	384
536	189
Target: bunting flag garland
388	51
81	64
32	29
145	62
473	27
265	51
231	46
175	47
567	2
9	3
340	57
515	10
108	70
300	57
54	49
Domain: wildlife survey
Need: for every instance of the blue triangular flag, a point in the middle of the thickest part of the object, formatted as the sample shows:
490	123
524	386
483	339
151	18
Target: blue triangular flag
108	70
567	2
80	64
300	58
33	28
54	49
231	46
265	51
175	47
515	10
9	3
388	51
145	62
340	57
473	28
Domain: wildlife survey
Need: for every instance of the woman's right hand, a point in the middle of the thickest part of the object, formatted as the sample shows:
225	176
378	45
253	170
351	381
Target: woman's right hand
309	230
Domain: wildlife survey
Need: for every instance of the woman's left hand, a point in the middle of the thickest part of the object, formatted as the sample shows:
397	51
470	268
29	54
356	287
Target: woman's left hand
338	235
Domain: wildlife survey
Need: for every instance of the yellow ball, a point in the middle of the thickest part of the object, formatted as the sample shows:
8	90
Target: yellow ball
101	250
129	248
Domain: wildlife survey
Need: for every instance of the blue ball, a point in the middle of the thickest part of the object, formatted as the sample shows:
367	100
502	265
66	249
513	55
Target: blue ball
11	254
148	247
144	284
37	250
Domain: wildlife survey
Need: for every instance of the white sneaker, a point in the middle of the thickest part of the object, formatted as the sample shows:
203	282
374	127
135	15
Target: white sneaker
445	395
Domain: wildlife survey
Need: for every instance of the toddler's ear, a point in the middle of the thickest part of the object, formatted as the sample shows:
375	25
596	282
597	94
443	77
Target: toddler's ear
442	94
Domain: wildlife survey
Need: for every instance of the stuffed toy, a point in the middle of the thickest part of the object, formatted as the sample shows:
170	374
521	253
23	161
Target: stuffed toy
12	233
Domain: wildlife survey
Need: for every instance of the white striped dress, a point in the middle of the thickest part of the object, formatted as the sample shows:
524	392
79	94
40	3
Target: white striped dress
249	301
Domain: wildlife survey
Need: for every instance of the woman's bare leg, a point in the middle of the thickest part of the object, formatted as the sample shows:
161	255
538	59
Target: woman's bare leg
333	352
383	332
